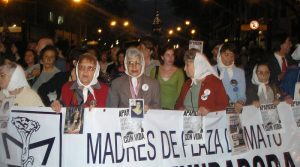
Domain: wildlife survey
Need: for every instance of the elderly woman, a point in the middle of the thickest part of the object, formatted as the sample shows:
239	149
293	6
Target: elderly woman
261	91
204	91
13	84
233	78
86	91
134	85
48	56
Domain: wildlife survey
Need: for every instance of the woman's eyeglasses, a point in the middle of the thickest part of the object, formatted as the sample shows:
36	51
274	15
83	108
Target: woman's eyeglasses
132	63
86	68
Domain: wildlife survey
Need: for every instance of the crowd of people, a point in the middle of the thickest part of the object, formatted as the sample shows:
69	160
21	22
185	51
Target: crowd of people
166	78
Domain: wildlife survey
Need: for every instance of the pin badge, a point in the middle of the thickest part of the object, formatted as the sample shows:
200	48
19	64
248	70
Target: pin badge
207	92
205	95
234	82
145	87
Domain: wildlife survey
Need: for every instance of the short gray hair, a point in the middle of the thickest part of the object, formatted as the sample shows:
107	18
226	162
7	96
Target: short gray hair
134	52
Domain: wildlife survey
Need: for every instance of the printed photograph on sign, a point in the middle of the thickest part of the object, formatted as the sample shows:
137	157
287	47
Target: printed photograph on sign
235	133
193	127
137	108
296	112
74	120
131	129
196	45
6	104
297	90
270	118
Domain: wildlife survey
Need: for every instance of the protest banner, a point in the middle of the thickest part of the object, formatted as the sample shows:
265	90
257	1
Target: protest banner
100	144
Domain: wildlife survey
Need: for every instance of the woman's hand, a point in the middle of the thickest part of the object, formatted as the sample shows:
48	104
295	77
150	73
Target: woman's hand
202	111
288	99
35	72
238	106
146	108
276	102
56	106
256	103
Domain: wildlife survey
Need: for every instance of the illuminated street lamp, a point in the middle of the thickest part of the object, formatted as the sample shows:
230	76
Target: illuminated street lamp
187	22
113	23
126	23
178	28
77	1
99	30
170	32
5	2
193	31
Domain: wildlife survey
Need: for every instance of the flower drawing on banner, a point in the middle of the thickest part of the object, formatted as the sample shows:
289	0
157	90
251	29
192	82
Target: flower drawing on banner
25	128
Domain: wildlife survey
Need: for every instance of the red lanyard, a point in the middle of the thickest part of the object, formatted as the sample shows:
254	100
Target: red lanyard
133	94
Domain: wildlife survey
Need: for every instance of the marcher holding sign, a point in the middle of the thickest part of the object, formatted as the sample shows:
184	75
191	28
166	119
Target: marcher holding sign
14	85
261	91
233	78
134	85
204	91
15	91
86	91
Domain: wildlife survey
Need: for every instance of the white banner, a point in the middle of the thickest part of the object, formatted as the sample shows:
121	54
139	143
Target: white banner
33	138
101	142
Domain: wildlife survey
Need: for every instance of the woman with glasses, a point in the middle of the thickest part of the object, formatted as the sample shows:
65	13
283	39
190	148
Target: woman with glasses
86	91
204	91
260	91
134	85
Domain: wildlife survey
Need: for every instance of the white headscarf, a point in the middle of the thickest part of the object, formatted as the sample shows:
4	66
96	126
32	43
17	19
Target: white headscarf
134	52
202	68
17	80
296	54
88	87
222	67
261	86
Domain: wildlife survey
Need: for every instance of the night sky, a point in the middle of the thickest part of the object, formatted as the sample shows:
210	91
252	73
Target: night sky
144	11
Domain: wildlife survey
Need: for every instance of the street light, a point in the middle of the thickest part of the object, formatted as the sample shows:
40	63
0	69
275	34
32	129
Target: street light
99	30
126	23
77	1
170	32
193	31
5	2
187	22
178	28
113	23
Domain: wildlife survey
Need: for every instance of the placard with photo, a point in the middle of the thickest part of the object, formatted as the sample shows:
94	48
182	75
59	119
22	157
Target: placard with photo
136	107
74	120
6	105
